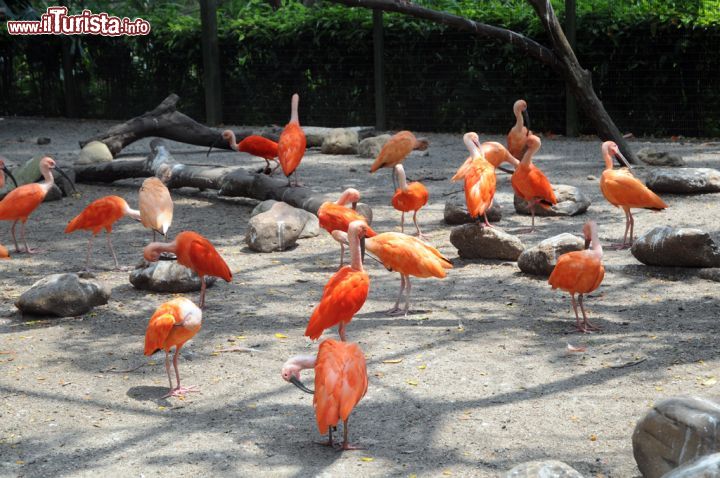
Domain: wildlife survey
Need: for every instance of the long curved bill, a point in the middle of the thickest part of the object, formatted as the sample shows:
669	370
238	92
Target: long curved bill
9	174
296	381
211	147
66	177
526	119
362	249
623	160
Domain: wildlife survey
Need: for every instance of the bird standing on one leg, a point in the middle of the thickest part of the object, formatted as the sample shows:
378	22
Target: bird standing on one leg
172	325
292	144
340	383
397	148
624	190
156	206
580	272
194	252
336	216
98	215
409	197
530	183
23	200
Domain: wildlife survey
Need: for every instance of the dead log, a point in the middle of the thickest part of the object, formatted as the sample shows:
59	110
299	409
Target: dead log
231	181
165	121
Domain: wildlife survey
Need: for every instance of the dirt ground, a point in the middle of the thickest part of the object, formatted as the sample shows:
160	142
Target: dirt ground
483	381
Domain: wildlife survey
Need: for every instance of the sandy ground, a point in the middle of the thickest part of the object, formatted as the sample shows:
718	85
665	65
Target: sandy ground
484	381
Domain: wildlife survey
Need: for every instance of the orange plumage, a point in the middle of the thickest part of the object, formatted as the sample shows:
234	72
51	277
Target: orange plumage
408	255
578	272
259	146
343	296
197	253
397	148
21	202
167	328
292	144
98	215
155	205
480	186
4	254
334	217
340	383
530	183
413	199
518	135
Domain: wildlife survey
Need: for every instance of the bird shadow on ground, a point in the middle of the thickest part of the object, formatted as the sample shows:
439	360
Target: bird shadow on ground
144	393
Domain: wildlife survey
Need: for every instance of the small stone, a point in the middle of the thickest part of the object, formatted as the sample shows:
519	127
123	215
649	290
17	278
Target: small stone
542	258
42	140
543	469
167	276
370	147
571	202
676	247
707	466
684	180
475	241
340	141
63	295
659	158
94	152
312	224
279	227
456	212
591	177
676	431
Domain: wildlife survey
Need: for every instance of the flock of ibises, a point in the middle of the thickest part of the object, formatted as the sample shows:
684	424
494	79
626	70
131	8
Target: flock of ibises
340	369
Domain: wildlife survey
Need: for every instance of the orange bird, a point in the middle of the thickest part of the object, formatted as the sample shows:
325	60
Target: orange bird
340	383
255	145
291	147
6	172
479	173
98	215
396	150
194	252
530	183
580	272
336	216
346	291
408	197
172	325
517	136
624	190
23	200
156	206
4	254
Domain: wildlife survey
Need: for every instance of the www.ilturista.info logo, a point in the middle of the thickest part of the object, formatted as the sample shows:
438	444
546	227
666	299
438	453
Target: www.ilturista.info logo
57	22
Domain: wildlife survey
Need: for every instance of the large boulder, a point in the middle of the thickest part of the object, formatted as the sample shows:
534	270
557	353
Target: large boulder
684	180
340	141
543	469
167	276
659	158
370	147
571	202
456	212
541	259
63	295
707	466
312	224
94	152
676	431
476	241
279	227
676	247
315	135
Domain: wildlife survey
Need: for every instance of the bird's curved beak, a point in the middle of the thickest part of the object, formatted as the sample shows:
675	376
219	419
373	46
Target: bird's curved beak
587	243
63	174
526	119
622	159
167	257
354	205
296	381
362	249
211	147
9	174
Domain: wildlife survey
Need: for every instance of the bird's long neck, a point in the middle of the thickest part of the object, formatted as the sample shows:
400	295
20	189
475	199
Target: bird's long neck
160	247
402	179
303	362
595	243
355	253
527	157
345	197
607	157
472	148
294	118
132	213
496	154
233	141
519	122
49	180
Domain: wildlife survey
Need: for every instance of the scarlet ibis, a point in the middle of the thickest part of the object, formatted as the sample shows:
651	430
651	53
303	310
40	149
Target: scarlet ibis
291	147
530	183
336	216
255	145
517	136
397	148
408	197
156	206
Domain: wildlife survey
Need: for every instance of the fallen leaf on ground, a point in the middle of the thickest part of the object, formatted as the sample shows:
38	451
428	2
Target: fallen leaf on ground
367	458
392	361
574	349
280	336
412	382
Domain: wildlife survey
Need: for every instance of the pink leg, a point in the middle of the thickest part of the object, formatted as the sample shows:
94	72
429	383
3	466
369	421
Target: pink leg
341	331
632	228
329	441
342	255
12	231
396	308
417	226
89	252
402	221
179	391
623	244
167	369
586	322
202	292
346	444
27	248
578	326
407	294
112	250
487	223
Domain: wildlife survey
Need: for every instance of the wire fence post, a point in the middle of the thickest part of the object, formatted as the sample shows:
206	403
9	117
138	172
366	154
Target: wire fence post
378	48
571	115
211	62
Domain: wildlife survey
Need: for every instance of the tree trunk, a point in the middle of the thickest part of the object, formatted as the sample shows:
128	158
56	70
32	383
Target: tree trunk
164	122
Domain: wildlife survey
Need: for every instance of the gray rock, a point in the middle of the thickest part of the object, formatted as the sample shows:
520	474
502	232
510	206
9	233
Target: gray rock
340	141
543	469
473	241
42	140
571	202
659	158
541	259
676	431
707	466
315	135
673	247
456	212
312	224
94	152
710	274
63	295
684	180
29	172
370	147
167	276
279	228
